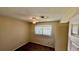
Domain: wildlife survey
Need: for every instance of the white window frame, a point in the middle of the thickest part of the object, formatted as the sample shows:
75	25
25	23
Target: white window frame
41	30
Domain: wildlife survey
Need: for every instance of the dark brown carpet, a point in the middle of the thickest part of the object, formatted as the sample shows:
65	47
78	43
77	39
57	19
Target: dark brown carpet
34	47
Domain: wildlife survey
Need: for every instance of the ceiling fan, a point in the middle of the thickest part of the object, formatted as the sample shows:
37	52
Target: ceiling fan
35	19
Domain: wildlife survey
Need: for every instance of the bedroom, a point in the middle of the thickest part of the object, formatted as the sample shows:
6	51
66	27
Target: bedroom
36	26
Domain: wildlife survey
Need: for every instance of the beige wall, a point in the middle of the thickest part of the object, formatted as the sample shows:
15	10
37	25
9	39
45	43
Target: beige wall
61	37
13	33
43	40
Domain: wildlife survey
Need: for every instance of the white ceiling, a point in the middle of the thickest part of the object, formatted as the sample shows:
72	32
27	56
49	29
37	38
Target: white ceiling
25	13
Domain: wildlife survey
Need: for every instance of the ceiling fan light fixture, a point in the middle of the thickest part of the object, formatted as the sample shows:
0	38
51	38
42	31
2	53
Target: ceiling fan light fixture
34	22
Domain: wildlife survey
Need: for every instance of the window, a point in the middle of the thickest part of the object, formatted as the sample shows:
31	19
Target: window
43	30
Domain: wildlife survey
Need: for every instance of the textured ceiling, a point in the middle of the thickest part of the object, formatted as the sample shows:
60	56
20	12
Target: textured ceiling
25	13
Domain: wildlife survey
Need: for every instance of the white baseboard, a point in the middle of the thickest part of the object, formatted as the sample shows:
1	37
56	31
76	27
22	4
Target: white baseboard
19	46
27	43
42	44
